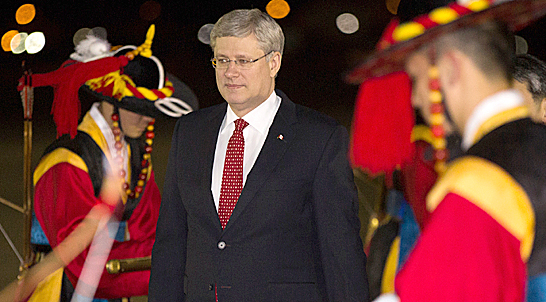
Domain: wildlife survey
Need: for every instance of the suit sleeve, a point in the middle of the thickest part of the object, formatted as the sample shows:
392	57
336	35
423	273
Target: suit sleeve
169	251
335	202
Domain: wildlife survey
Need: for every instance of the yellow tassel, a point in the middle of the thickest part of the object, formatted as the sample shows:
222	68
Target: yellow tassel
145	49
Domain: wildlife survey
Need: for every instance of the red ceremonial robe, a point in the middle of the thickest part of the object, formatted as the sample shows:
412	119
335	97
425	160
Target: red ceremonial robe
63	197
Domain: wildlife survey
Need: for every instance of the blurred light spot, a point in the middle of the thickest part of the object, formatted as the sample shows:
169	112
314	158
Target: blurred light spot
25	14
6	39
204	33
17	43
150	10
521	45
347	23
392	6
35	42
277	9
99	32
80	35
375	222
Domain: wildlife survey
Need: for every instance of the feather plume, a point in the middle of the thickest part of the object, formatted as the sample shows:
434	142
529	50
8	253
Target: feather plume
91	48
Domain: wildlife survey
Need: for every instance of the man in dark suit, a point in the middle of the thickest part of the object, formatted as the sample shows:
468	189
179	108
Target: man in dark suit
293	234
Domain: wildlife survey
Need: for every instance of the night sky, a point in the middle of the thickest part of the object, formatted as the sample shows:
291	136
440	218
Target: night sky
316	57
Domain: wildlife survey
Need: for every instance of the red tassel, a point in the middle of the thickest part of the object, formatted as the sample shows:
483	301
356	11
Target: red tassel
66	81
382	124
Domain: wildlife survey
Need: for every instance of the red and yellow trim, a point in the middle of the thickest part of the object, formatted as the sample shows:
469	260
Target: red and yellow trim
60	155
89	126
120	86
438	16
500	196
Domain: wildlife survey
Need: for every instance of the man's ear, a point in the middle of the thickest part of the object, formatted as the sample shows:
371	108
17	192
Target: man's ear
275	63
451	67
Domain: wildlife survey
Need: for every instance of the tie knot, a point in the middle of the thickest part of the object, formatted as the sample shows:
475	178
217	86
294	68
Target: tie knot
240	124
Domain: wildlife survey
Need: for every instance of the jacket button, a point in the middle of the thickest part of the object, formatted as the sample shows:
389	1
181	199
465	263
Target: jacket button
221	245
211	286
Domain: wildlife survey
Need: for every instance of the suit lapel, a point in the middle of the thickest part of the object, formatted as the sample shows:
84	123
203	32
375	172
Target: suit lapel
209	137
281	135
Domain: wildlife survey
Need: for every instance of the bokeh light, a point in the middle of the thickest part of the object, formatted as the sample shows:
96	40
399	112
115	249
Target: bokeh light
6	39
204	33
25	14
80	35
99	32
521	45
17	43
35	42
277	9
149	10
347	23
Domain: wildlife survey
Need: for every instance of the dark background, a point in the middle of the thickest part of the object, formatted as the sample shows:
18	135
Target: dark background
316	57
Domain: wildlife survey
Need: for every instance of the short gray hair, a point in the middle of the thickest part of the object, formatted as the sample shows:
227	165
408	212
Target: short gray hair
243	22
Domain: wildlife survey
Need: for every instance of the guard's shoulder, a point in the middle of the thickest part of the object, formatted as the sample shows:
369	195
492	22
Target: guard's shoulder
492	189
55	157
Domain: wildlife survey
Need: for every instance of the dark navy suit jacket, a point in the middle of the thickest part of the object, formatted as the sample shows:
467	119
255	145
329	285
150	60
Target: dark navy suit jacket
294	233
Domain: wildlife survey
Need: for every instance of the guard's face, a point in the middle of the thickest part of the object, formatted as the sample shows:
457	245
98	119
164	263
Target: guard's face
245	89
133	124
417	67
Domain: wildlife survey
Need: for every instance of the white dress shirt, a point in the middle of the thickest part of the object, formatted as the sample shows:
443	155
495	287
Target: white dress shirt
259	120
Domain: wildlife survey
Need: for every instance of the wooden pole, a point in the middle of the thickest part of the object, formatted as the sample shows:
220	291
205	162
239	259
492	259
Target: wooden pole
27	98
27	179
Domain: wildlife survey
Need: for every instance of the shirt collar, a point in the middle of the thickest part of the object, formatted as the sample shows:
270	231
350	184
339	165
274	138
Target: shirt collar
107	133
101	122
260	117
486	109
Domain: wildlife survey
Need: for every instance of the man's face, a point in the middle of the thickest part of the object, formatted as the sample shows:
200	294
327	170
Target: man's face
133	124
417	67
536	110
245	89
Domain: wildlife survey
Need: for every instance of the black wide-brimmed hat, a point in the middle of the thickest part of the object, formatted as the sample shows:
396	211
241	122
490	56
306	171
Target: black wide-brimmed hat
422	21
141	86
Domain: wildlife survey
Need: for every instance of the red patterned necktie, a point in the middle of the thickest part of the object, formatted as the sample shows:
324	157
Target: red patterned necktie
232	177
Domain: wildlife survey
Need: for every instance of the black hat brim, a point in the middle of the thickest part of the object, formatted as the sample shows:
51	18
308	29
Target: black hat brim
133	104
